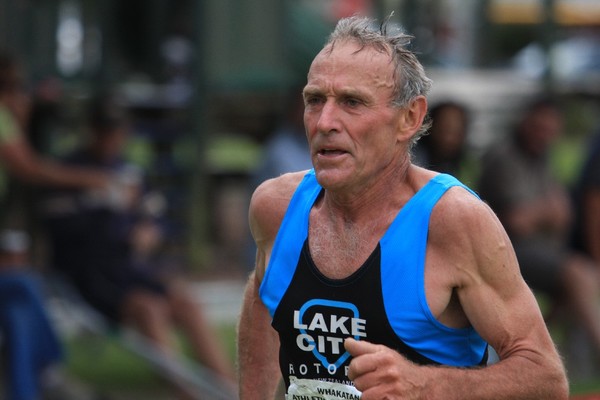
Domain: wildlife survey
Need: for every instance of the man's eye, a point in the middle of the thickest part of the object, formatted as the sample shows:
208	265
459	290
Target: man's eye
312	100
352	102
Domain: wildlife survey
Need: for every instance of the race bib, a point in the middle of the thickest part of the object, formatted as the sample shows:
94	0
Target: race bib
310	389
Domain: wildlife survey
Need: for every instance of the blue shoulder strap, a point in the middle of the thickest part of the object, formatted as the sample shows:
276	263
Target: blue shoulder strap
403	250
288	244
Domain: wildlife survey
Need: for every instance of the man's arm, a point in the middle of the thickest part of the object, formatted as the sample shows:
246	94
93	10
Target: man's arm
481	269
504	311
22	162
258	348
258	342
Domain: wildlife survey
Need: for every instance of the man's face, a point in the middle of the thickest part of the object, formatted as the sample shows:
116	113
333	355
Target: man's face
351	126
448	133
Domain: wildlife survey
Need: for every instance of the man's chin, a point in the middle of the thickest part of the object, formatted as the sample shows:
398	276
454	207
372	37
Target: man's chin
331	178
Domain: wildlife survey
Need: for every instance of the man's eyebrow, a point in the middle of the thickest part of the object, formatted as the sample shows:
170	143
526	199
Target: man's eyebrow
344	92
352	93
311	91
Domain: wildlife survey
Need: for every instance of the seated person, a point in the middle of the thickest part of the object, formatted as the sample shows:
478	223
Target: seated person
17	157
104	244
445	148
518	183
586	230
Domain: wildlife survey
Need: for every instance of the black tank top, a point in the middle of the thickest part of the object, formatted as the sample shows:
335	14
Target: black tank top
325	311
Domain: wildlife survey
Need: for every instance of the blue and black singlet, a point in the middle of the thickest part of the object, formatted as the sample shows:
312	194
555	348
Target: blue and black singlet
382	302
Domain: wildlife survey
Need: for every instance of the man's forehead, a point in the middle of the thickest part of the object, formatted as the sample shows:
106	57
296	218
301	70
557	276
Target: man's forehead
353	48
349	53
353	64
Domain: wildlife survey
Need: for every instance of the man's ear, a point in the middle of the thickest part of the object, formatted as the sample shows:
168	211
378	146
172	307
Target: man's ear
412	118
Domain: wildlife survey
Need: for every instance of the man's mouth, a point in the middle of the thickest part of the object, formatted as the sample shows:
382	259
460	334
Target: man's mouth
331	152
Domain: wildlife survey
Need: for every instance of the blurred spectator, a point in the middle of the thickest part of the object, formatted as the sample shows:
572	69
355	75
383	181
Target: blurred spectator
30	340
26	169
286	149
30	343
46	114
16	155
535	209
444	148
107	247
586	231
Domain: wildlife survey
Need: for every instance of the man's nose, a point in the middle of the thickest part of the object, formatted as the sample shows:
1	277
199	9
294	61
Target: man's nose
329	117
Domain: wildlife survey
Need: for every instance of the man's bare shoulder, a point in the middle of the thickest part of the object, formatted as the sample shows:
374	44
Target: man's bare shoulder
269	203
459	213
277	191
469	233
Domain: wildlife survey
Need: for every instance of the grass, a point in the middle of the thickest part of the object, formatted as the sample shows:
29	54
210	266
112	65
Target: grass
104	364
580	388
557	326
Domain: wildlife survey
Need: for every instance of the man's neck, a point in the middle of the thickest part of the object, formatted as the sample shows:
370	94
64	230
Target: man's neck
370	204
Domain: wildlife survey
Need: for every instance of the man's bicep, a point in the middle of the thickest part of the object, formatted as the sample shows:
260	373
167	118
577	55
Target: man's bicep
261	230
506	321
496	300
267	209
263	244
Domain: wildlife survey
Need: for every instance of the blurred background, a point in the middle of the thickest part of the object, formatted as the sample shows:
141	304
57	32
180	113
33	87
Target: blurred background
207	82
205	79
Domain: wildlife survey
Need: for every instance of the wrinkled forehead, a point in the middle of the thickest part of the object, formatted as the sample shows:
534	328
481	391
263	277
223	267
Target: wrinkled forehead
351	47
352	60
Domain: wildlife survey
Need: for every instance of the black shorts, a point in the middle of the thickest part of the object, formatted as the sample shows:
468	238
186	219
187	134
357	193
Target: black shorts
107	294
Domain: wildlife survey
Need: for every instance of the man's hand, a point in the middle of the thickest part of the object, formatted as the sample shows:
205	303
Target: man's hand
382	373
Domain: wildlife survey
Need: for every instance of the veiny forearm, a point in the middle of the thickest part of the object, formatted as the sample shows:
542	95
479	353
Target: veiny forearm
515	378
258	346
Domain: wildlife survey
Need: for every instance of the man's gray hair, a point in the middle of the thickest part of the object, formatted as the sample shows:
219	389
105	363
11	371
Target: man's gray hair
410	79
